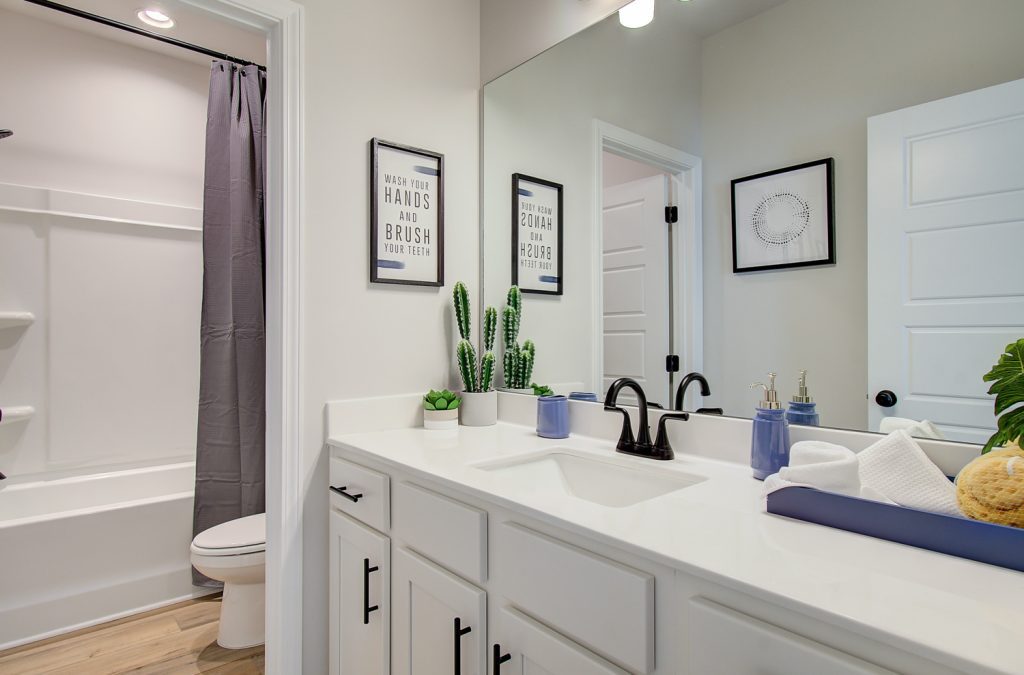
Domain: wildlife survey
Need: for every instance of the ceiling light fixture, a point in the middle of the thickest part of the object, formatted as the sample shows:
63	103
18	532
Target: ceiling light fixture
154	17
637	14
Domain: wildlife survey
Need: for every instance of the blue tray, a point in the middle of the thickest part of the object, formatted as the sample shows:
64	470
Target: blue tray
972	539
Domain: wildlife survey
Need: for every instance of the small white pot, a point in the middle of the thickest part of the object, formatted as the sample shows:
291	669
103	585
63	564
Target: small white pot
479	409
441	419
528	391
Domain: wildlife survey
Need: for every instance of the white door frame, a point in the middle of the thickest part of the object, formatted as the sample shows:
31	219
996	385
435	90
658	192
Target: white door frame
687	258
282	21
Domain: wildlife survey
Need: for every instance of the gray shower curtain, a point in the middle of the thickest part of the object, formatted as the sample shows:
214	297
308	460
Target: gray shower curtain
230	452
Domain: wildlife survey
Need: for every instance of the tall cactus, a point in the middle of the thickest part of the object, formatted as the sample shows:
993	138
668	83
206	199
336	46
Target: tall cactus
460	296
526	357
490	326
518	361
467	364
514	299
510	327
486	371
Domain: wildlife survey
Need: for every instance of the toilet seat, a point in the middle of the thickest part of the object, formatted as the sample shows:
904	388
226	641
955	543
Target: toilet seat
236	537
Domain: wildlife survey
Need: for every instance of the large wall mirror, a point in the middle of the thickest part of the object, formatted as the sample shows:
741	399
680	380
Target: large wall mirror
887	265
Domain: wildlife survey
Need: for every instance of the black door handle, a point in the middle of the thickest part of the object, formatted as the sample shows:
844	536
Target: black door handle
366	591
346	495
459	632
886	398
499	658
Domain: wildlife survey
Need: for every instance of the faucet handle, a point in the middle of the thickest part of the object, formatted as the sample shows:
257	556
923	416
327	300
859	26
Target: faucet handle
626	439
662	446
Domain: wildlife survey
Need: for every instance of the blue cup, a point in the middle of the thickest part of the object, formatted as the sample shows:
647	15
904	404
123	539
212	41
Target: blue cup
583	396
553	417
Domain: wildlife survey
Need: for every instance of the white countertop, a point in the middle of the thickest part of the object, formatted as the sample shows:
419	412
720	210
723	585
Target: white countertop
962	613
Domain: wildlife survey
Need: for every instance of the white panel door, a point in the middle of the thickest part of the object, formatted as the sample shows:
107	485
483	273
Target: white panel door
635	285
945	233
360	599
526	647
438	621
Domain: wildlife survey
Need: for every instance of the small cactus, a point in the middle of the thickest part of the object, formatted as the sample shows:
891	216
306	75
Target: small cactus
518	362
490	326
460	296
467	364
526	357
512	367
486	371
509	327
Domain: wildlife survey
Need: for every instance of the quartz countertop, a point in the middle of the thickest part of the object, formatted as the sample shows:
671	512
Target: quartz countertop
962	613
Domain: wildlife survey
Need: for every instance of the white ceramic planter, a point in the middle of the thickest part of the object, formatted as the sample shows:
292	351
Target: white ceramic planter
528	391
479	409
441	419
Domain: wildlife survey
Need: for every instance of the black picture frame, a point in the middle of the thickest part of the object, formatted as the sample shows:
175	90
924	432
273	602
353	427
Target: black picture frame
830	226
378	145
517	181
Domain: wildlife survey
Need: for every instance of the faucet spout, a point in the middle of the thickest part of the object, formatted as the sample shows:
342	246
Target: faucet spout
690	378
642	444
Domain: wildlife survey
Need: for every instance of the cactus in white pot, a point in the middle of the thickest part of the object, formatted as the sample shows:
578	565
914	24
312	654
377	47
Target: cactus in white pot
479	400
518	360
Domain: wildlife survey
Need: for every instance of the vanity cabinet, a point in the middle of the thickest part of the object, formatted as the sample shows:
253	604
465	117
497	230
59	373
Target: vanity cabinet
523	646
439	621
360	606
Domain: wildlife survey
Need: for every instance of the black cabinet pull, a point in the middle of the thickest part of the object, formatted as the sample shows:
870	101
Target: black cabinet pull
341	491
459	632
366	591
499	658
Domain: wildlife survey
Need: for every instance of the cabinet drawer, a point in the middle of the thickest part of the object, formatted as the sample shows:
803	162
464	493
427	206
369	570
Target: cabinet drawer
722	640
604	605
360	492
446	531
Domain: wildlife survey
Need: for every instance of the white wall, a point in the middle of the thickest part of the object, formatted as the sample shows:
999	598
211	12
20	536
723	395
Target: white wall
112	363
407	72
793	84
539	121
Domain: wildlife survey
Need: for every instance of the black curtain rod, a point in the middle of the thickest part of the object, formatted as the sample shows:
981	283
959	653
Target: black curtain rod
139	31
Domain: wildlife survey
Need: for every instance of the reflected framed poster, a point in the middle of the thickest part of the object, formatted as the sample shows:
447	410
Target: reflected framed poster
536	235
784	218
406	215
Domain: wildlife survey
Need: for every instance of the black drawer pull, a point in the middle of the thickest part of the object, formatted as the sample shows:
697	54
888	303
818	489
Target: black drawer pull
499	658
366	590
341	491
459	632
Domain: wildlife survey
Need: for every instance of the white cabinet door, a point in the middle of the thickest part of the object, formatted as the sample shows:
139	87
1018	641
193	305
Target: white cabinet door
525	647
945	232
721	641
439	620
360	607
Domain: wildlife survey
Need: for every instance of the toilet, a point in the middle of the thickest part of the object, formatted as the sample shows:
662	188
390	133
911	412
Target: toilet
235	553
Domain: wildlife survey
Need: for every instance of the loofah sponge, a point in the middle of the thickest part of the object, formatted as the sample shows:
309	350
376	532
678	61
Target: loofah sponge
991	487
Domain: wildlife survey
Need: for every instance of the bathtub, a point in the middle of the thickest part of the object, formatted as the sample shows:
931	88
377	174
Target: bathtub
84	550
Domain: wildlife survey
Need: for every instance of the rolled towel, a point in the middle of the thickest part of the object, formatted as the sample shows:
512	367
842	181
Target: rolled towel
922	429
824	466
897	468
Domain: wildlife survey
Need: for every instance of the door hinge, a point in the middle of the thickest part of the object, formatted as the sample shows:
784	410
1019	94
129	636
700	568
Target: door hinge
672	363
671	214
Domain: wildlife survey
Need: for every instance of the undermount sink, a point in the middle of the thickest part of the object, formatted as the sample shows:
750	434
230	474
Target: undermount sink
610	482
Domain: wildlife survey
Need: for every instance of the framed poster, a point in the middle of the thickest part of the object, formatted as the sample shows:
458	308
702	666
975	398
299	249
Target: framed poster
406	215
536	235
784	218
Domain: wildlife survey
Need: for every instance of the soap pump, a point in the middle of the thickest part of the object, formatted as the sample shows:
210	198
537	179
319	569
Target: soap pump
801	407
769	445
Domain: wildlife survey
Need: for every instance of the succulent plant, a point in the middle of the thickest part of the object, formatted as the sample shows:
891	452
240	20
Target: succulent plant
441	400
541	389
518	361
465	352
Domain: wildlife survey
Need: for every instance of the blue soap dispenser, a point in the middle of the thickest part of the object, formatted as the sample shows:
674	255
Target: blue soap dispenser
801	408
769	446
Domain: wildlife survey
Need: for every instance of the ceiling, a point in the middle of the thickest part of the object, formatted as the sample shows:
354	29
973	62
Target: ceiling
191	25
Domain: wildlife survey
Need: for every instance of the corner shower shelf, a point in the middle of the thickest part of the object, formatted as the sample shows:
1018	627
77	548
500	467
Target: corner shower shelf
11	319
18	413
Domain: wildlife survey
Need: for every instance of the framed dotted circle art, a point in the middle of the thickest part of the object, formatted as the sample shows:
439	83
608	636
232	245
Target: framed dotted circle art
784	218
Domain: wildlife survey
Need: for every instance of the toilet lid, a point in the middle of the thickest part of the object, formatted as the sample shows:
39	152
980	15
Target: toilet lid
249	532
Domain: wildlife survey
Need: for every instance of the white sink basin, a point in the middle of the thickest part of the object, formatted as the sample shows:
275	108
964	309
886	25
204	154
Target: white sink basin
614	482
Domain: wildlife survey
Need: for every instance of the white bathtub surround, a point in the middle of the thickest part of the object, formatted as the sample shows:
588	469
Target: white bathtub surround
479	409
82	550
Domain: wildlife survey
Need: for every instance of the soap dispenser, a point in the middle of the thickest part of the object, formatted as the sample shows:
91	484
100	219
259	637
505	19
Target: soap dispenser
769	446
801	408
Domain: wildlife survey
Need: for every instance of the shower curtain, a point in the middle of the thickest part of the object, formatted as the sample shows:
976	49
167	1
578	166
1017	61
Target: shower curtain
230	452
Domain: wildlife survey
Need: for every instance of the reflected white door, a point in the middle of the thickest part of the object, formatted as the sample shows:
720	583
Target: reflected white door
635	265
945	234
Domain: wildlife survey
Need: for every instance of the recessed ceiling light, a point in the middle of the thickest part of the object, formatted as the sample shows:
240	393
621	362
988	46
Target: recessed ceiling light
637	14
154	17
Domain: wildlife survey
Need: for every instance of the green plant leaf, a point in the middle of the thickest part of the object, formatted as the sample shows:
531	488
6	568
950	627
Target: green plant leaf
427	405
1007	377
433	395
447	395
455	404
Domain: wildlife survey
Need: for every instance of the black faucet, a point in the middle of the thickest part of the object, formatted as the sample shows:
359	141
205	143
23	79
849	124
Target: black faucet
705	390
641	446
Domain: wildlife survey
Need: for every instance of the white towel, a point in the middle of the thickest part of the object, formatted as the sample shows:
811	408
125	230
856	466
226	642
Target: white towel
922	429
824	466
897	467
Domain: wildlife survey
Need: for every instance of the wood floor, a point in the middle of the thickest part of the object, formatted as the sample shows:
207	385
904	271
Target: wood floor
177	639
